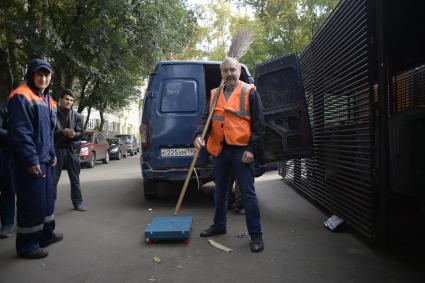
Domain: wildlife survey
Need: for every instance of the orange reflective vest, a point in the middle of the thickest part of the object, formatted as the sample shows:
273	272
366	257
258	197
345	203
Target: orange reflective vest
231	119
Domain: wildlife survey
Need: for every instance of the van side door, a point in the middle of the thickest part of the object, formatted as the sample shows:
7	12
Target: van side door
288	132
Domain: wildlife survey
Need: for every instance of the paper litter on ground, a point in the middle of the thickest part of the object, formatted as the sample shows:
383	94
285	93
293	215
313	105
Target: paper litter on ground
219	246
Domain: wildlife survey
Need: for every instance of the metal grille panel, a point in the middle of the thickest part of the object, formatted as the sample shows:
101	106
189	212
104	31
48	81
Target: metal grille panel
408	89
335	75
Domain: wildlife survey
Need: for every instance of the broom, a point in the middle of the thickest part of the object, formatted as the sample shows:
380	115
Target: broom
238	47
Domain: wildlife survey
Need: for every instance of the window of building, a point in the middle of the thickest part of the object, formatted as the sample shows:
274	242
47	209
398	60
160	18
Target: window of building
111	126
91	123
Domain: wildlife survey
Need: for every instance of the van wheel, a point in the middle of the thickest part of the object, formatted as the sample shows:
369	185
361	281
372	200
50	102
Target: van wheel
92	161
150	189
106	159
119	155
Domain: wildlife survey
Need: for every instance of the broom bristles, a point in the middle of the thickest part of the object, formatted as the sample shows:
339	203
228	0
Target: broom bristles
240	43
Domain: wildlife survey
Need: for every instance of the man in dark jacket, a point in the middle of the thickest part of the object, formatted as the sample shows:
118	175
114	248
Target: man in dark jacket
7	192
32	119
69	128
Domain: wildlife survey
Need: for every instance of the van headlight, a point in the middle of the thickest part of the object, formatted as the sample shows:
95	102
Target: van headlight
114	150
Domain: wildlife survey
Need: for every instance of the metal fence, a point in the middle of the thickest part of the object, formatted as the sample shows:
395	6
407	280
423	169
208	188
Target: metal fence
408	89
335	71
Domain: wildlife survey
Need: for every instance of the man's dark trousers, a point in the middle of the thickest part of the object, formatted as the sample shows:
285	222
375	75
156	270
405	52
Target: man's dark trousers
7	196
231	158
70	160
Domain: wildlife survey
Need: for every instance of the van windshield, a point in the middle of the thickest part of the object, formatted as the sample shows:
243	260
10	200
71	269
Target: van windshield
113	141
86	137
124	137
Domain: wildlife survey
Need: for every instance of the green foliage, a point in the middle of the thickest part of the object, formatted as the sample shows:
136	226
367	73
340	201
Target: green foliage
284	26
101	48
279	27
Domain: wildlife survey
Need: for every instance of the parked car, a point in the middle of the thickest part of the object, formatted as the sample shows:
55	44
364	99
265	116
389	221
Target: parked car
133	146
176	97
117	148
94	147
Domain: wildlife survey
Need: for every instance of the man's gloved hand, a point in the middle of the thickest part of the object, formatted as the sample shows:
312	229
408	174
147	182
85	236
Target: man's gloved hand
199	142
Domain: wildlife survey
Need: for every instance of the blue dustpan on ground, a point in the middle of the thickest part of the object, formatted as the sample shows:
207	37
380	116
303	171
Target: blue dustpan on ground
169	228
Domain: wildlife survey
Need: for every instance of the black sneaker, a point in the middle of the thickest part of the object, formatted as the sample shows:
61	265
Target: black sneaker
257	244
80	207
37	254
212	231
56	238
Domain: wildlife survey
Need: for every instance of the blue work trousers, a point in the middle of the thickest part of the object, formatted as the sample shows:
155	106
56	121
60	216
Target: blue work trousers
7	196
230	158
36	196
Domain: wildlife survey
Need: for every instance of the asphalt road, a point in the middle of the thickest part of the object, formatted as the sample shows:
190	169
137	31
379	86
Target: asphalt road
106	244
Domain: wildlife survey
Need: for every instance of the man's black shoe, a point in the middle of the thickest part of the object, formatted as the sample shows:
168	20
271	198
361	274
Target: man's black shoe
257	244
56	238
80	207
212	231
37	254
6	231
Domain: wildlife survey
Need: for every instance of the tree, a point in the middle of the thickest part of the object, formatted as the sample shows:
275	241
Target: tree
12	45
284	26
100	48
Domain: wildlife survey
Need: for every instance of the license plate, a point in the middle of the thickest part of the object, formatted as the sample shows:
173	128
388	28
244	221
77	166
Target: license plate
177	152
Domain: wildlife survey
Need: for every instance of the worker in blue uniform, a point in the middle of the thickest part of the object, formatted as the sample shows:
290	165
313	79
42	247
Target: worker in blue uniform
32	118
7	195
7	192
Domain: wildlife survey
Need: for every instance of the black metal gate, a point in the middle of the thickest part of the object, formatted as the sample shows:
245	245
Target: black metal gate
364	79
335	71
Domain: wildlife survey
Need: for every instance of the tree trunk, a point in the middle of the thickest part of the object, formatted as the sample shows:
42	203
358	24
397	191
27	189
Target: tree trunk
56	88
86	123
32	29
81	100
9	69
102	120
69	76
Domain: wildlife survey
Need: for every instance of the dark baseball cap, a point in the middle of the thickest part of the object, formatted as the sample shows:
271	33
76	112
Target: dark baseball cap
38	64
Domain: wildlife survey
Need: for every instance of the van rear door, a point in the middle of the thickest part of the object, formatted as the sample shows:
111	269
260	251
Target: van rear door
177	103
288	132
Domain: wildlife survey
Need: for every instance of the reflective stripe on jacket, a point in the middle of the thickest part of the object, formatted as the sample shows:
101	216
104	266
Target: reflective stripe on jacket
231	119
31	124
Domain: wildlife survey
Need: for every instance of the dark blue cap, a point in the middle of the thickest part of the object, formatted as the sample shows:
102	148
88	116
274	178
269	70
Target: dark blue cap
38	64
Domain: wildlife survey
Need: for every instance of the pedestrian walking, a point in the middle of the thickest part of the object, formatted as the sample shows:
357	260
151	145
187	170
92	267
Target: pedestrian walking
32	119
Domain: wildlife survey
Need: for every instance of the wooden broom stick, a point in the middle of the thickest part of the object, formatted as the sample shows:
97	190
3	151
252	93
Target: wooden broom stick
195	158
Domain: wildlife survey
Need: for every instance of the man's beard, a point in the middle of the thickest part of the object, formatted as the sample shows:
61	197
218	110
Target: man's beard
231	84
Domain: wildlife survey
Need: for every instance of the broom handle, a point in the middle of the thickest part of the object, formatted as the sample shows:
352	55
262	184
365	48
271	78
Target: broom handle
195	157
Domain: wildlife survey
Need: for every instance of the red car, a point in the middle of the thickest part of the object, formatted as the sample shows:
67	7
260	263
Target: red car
94	147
